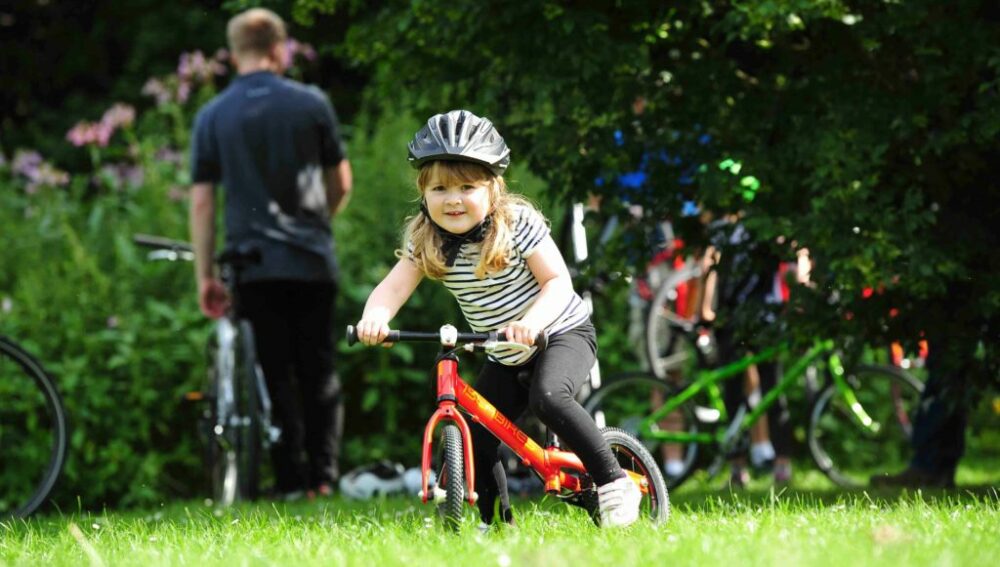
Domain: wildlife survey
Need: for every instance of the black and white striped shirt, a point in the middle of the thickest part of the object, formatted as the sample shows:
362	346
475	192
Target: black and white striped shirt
504	297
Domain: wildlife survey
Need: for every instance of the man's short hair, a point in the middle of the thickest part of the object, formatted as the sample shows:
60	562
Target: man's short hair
255	32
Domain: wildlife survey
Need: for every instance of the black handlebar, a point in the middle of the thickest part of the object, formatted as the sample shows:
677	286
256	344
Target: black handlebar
541	341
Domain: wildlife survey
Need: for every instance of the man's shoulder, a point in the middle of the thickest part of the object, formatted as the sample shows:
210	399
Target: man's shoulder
209	108
305	92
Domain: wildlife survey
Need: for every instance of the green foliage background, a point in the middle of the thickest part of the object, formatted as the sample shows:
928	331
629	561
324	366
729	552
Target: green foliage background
871	126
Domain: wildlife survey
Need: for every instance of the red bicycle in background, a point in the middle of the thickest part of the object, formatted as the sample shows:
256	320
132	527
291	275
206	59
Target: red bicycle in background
561	472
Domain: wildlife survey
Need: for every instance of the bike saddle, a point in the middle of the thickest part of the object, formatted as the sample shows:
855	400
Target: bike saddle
239	256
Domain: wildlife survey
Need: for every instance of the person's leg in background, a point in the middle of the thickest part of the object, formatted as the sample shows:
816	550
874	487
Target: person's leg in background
779	429
938	438
312	313
266	306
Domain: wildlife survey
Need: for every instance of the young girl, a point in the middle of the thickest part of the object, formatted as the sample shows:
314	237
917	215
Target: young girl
493	251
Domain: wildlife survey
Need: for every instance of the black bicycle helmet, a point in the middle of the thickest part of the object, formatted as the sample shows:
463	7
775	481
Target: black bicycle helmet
460	135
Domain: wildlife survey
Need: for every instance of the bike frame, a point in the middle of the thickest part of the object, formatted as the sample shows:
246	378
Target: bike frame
709	380
552	464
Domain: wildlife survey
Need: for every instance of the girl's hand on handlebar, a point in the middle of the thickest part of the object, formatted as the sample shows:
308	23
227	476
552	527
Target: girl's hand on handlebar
372	332
522	332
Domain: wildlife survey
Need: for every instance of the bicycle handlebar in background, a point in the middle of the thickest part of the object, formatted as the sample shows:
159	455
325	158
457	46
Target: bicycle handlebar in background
541	341
161	243
170	249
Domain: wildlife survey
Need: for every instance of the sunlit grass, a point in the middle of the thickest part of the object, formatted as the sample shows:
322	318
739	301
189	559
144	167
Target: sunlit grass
811	524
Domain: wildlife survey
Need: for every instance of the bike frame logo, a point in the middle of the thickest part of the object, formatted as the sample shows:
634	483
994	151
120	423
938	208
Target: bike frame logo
487	410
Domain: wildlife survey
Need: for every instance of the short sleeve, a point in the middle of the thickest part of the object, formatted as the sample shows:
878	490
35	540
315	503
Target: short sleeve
204	151
332	149
529	231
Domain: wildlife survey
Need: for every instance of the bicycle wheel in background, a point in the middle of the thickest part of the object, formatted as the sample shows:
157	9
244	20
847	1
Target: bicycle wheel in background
223	441
635	459
452	477
850	453
670	348
625	400
33	432
250	434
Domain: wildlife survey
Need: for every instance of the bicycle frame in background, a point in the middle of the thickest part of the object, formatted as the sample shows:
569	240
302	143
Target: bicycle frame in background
860	418
236	421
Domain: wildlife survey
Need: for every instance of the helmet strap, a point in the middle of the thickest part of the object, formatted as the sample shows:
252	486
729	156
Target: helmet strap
452	243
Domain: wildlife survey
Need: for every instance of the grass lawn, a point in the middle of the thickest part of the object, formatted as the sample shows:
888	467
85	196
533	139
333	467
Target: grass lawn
809	524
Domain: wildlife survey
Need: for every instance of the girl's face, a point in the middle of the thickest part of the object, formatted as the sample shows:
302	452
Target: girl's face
456	205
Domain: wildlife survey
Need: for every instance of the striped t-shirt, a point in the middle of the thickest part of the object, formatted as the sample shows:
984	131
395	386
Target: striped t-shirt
493	302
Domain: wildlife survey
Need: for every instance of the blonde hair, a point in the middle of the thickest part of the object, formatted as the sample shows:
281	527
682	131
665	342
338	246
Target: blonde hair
254	33
499	239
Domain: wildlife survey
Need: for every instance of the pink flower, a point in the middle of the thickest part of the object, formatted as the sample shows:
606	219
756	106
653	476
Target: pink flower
156	89
119	116
26	162
38	172
183	91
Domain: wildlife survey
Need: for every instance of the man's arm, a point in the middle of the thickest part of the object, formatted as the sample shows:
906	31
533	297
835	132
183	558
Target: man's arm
339	182
212	296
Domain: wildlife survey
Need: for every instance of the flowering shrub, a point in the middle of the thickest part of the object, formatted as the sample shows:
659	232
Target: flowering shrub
35	171
99	133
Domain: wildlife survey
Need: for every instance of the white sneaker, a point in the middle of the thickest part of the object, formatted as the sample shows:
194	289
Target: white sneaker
673	469
618	502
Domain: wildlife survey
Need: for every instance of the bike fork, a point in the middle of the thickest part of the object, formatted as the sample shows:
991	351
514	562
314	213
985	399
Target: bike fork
447	412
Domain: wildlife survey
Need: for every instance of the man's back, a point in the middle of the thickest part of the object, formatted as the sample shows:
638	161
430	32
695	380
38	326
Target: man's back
268	140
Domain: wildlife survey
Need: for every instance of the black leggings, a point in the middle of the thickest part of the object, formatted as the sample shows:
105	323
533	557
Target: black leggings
556	374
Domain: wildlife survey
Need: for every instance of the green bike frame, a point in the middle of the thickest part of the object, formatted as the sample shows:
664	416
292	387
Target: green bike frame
709	380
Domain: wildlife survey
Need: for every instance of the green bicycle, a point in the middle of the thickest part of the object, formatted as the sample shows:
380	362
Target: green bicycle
859	423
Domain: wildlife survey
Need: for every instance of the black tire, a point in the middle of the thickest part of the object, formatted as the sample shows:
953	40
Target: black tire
33	432
848	453
625	399
452	477
670	350
250	435
633	457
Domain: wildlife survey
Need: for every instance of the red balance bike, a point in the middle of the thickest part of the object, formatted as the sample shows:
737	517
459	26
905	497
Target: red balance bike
562	473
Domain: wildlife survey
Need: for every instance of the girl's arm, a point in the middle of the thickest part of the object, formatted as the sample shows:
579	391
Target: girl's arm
549	268
386	299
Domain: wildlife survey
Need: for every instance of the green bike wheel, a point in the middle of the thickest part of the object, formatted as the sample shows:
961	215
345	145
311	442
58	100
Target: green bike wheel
624	401
849	452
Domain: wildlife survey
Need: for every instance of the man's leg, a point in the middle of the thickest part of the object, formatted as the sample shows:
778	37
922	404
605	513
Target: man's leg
312	313
939	427
938	438
264	304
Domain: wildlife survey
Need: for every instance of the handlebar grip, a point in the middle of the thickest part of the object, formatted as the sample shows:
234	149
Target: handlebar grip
541	340
352	336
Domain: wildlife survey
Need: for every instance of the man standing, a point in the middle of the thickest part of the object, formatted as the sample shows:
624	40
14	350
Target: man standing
274	145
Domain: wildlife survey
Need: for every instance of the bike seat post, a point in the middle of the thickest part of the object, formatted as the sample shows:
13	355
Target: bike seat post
551	440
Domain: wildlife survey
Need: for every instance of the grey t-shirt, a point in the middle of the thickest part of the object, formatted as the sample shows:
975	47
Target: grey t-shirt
267	140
